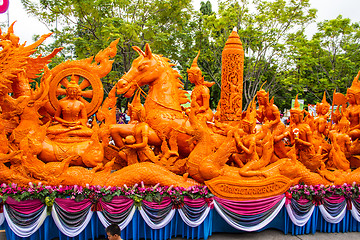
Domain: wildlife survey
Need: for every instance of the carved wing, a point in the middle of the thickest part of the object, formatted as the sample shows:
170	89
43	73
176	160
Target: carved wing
35	65
13	60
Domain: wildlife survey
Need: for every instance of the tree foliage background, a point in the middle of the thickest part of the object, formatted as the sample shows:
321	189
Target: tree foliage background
277	50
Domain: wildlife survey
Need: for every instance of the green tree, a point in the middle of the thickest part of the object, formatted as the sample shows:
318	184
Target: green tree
328	61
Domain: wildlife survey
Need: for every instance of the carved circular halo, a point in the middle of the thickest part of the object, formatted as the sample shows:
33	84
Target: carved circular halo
92	93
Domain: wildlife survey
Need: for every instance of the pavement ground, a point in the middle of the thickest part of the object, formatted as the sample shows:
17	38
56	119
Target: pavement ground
269	234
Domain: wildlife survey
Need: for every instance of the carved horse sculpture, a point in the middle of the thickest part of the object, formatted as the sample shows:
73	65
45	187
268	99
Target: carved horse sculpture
162	104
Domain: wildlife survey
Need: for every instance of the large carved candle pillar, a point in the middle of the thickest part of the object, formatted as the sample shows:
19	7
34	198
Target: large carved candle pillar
232	79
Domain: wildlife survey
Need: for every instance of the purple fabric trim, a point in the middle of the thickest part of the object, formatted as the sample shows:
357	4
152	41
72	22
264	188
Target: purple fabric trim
357	200
118	204
154	205
70	205
250	208
25	206
194	203
335	199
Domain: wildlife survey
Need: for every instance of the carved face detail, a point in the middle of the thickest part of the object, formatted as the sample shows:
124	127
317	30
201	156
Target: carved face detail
72	92
351	98
296	117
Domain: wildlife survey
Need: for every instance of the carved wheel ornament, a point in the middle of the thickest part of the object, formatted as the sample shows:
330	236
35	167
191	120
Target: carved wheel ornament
92	92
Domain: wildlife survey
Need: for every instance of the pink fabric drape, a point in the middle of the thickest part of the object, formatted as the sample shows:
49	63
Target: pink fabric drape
154	205
335	199
117	205
70	205
195	203
250	207
303	201
25	206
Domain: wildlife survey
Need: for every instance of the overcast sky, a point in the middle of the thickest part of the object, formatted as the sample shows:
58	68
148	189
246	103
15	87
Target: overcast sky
27	26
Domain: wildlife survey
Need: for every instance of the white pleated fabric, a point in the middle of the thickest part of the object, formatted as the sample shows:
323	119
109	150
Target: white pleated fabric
162	224
194	223
71	231
331	219
355	213
297	219
2	218
122	225
252	228
28	230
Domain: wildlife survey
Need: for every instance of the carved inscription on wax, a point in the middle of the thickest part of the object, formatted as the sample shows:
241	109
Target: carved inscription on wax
225	187
244	190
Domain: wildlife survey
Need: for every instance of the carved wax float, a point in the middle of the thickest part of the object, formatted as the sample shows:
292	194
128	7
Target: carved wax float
48	138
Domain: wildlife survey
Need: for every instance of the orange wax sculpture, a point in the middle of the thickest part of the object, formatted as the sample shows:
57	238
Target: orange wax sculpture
47	135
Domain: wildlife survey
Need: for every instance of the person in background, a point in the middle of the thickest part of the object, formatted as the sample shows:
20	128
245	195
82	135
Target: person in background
113	232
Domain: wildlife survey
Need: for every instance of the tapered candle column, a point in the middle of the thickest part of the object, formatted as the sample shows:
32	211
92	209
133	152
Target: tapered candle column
232	79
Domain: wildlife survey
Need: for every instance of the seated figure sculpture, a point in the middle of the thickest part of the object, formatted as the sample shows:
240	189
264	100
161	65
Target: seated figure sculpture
269	113
70	118
136	135
246	142
141	133
200	95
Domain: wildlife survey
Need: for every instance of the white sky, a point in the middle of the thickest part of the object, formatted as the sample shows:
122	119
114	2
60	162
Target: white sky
27	26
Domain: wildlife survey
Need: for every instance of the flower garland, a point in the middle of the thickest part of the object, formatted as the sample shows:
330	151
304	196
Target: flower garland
47	194
138	193
317	193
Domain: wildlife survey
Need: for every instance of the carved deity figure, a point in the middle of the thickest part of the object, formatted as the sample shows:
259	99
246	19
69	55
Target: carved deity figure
353	110
70	116
141	133
301	136
269	113
200	95
341	145
321	126
322	112
246	141
136	135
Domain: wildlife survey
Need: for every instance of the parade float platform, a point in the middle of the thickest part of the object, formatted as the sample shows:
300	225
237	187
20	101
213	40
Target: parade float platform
189	215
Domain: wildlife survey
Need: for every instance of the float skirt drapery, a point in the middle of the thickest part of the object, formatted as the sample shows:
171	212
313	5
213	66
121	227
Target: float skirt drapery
195	219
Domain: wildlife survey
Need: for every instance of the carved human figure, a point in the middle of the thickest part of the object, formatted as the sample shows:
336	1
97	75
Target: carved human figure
341	145
321	127
300	132
70	116
322	115
246	141
269	113
301	137
137	135
353	110
141	134
200	95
